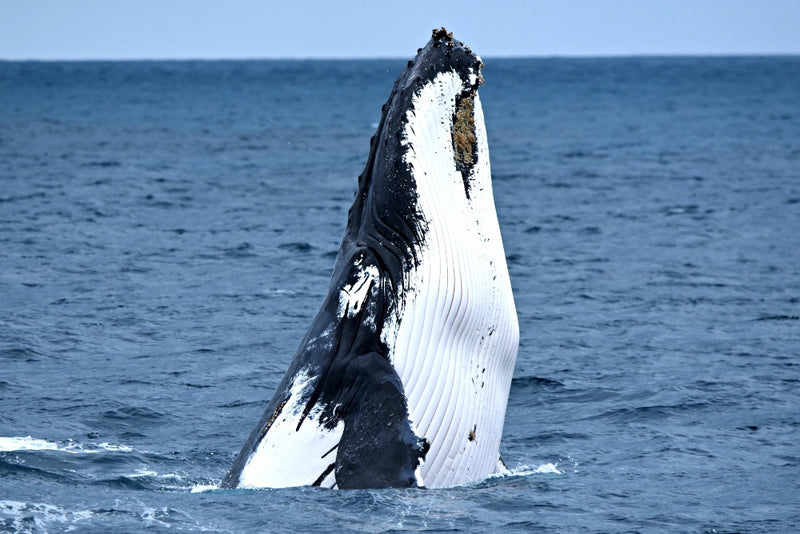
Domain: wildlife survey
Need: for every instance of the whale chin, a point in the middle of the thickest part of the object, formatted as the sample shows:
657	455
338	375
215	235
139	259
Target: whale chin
403	377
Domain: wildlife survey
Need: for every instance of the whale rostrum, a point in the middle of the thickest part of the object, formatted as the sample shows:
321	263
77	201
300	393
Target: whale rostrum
403	376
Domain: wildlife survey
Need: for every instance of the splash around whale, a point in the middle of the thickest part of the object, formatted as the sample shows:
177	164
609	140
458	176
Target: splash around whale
403	376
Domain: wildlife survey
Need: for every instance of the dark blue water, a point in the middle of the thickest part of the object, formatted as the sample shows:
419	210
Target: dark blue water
167	231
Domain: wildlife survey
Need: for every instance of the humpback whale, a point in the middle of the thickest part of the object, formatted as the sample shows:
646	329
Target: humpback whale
403	376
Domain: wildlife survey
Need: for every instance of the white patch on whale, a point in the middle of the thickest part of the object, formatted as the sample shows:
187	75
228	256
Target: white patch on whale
289	456
352	296
454	338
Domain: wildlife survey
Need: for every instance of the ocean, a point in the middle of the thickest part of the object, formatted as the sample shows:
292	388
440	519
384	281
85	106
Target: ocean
168	230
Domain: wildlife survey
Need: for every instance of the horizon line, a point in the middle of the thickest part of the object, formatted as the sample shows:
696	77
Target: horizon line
134	59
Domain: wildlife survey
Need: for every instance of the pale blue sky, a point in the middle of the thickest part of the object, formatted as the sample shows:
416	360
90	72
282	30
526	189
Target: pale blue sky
143	29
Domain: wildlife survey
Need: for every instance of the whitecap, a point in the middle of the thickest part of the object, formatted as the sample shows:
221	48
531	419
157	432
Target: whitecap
549	468
113	448
42	515
28	443
202	488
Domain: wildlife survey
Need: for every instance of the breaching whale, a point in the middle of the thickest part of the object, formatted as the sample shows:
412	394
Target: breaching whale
403	377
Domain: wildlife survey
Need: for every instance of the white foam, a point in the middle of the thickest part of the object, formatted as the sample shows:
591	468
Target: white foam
28	443
151	516
43	516
548	468
202	488
143	472
113	448
528	470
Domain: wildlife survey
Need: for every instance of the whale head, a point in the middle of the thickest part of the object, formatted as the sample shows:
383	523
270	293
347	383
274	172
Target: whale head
430	147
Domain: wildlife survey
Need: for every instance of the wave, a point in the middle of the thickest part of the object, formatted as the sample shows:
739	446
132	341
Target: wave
527	470
145	477
202	488
101	464
42	517
519	471
36	517
28	443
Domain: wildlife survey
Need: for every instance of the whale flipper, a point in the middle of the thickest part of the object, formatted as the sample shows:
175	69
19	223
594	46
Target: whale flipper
378	447
404	374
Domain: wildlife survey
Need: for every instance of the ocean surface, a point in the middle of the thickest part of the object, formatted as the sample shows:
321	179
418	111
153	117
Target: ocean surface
168	229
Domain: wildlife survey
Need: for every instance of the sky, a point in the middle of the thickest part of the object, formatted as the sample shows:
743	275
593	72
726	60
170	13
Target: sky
251	29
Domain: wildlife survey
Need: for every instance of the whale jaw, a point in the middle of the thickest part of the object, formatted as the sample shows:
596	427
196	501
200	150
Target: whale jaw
403	377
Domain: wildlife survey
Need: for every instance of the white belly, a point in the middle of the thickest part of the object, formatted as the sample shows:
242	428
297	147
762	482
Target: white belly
456	335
